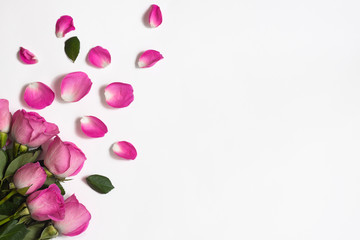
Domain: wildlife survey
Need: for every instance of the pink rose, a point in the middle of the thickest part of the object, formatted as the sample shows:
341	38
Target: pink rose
5	116
46	204
29	128
30	175
76	219
64	159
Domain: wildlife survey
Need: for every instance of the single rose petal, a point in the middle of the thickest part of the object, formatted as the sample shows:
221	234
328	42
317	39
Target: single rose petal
99	57
125	150
75	86
119	95
64	25
93	127
26	56
155	16
38	95
149	58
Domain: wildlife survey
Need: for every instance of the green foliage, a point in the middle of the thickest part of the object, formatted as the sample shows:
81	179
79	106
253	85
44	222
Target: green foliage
13	231
99	183
72	48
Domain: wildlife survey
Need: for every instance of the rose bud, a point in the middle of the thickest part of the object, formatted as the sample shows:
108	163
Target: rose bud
5	121
32	130
30	175
46	204
64	159
76	219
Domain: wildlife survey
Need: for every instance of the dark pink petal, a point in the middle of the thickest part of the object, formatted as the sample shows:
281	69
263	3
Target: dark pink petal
99	57
125	150
155	16
75	86
119	95
93	127
38	95
26	56
149	58
64	25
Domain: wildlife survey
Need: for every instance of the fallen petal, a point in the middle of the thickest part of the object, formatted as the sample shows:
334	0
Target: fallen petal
125	150
155	16
119	95
38	95
149	58
26	56
75	86
99	57
64	25
93	127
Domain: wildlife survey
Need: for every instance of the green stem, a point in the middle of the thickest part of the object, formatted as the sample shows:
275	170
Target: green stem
22	211
12	193
16	149
3	139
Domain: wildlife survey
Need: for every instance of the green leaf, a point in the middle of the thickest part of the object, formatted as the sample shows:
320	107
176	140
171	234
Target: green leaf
13	231
10	154
34	231
21	161
10	206
3	217
60	187
49	232
3	162
100	183
72	48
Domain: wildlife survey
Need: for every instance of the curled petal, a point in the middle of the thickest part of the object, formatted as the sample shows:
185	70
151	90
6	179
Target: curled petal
119	95
38	95
26	56
155	16
99	57
64	25
149	58
93	127
125	150
75	86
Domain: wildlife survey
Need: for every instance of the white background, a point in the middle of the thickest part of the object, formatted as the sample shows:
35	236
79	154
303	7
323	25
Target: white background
248	129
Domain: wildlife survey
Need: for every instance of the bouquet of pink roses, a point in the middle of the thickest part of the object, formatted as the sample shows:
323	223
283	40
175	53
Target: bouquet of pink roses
32	205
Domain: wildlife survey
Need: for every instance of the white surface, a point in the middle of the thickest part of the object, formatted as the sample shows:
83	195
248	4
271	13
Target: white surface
248	129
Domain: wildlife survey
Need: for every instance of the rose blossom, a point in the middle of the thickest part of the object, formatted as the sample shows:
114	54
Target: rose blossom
64	159
30	175
32	130
46	204
5	116
76	219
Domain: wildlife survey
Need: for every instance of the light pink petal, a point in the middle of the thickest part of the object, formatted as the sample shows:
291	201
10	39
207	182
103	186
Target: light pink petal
99	57
75	86
93	127
77	160
149	58
26	56
38	95
64	25
125	150
119	95
5	116
30	175
155	16
57	157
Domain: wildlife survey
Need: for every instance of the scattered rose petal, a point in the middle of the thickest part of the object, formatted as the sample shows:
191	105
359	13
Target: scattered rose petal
99	57
155	16
75	86
26	56
119	95
125	150
38	95
149	58
93	127
64	25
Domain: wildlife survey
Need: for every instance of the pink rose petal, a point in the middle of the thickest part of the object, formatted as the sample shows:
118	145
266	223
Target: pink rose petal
99	57
64	25
149	58
119	95
75	86
26	56
93	127
125	150
155	16
38	95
